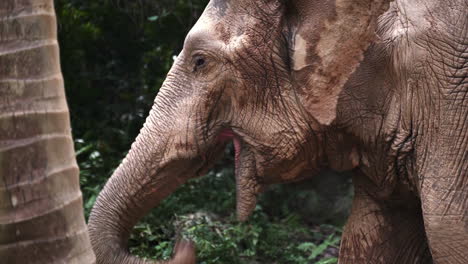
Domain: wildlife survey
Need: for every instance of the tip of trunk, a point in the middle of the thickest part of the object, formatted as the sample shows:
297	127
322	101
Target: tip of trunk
111	222
110	247
184	253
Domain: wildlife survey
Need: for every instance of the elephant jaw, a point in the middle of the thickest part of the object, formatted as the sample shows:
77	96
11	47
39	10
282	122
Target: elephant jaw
247	185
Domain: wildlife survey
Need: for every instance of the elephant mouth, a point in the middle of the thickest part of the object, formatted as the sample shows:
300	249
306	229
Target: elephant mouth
248	184
227	135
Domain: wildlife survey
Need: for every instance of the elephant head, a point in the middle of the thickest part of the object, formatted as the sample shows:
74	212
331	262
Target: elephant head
264	74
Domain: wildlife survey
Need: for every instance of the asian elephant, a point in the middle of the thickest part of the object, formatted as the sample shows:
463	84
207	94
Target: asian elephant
378	87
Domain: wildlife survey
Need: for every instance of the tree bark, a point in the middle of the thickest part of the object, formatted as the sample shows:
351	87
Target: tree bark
41	212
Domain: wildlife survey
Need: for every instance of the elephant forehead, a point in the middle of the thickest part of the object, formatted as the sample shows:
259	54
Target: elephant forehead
205	34
231	21
219	7
214	25
202	29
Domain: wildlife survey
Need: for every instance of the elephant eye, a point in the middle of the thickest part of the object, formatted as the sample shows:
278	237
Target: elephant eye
199	63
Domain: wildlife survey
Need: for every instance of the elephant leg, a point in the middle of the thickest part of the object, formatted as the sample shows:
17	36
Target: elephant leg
380	231
444	205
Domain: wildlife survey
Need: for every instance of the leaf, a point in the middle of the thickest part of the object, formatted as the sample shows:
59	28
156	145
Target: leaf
89	204
328	261
153	18
83	149
318	250
306	246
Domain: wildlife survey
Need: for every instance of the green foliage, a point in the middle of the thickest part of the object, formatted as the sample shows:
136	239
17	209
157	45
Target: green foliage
115	55
210	222
222	239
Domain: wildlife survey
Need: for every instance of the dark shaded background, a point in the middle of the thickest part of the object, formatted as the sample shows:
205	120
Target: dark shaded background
115	55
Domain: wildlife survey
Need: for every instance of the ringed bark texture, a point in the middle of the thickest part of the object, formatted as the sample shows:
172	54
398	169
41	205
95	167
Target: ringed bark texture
41	214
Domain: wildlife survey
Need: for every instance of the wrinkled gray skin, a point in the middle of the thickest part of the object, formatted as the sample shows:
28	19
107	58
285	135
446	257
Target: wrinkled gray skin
299	85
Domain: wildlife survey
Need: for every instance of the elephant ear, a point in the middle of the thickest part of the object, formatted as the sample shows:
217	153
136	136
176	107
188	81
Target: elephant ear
328	41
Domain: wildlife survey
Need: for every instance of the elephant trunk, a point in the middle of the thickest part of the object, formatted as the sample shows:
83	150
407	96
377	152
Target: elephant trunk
132	191
156	165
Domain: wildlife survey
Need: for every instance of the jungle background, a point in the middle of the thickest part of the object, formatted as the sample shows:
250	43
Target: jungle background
115	55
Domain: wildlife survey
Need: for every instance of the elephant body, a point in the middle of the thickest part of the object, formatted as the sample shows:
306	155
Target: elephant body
375	87
411	185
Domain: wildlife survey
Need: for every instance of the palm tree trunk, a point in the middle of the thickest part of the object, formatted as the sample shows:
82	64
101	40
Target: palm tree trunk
41	212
